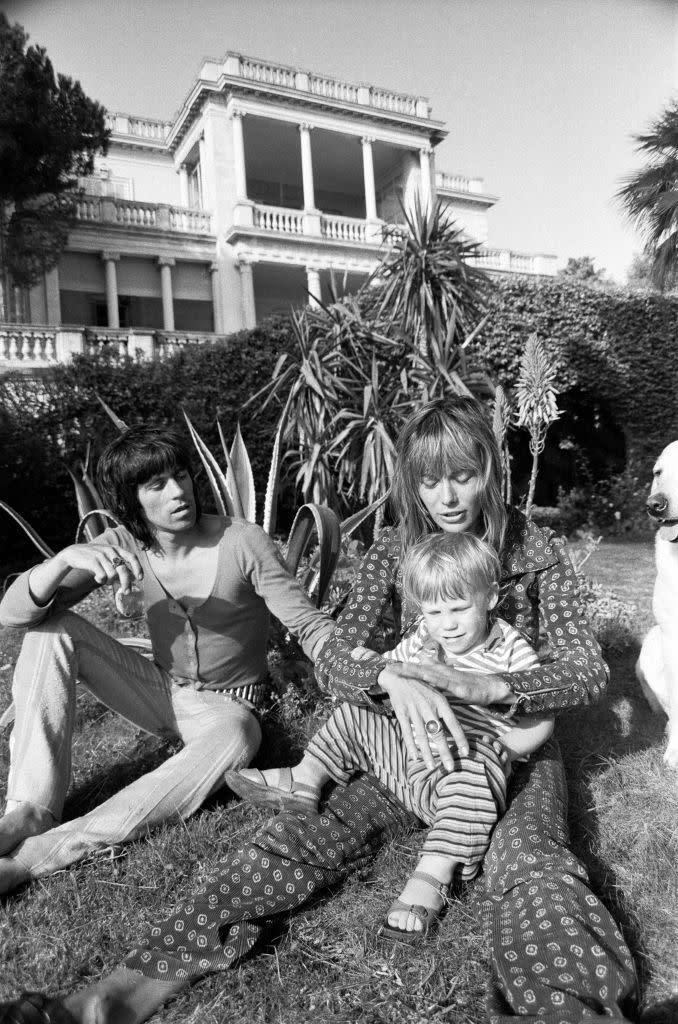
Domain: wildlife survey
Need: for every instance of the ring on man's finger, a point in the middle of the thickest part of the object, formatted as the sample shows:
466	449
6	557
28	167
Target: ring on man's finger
117	561
433	727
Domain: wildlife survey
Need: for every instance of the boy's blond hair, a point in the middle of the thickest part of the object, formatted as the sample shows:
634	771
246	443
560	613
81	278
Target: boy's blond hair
449	565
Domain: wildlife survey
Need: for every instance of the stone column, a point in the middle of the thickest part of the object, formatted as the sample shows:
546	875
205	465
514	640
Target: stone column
307	166
313	286
216	299
368	174
239	155
166	263
425	171
53	296
247	286
202	149
183	185
110	259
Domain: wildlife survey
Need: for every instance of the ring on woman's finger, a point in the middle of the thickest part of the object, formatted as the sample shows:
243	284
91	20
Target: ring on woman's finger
433	726
117	561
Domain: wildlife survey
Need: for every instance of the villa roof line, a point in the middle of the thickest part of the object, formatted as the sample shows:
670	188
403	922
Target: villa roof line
241	75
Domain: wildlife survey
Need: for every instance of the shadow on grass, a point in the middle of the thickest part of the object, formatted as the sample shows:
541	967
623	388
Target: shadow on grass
665	1012
592	739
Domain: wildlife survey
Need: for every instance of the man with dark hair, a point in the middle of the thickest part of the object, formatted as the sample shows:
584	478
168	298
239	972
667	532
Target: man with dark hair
207	585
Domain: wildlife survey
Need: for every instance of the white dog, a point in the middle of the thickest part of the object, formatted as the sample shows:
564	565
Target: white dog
657	666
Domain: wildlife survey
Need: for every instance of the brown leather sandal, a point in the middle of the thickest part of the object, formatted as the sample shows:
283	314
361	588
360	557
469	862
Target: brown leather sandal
427	916
289	796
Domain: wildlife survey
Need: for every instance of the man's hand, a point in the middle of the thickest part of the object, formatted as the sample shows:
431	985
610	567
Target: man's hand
415	704
105	562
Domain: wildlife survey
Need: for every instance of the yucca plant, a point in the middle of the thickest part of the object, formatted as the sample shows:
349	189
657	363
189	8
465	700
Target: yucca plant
427	283
536	402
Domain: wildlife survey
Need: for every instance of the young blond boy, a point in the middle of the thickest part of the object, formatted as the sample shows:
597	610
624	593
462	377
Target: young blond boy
453	580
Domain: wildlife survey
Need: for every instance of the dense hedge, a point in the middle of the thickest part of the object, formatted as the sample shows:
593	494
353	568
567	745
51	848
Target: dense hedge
617	353
46	424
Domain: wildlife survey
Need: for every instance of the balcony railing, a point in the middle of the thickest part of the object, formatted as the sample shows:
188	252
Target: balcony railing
459	183
142	128
344	229
22	345
26	347
278	218
130	213
510	262
333	227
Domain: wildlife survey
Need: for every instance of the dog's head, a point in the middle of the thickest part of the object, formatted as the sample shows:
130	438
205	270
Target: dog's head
662	502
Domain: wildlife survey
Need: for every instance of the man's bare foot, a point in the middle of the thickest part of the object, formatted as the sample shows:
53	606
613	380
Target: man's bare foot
24	821
12	874
123	997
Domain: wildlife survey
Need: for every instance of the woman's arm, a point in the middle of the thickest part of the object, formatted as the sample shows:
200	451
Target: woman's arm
575	672
358	625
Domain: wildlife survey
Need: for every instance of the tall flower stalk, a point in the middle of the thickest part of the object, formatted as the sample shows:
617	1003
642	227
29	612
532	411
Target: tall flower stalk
536	403
501	421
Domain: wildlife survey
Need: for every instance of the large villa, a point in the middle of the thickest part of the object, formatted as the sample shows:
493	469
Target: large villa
269	183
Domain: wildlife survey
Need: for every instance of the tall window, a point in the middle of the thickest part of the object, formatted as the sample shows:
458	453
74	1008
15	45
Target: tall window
195	188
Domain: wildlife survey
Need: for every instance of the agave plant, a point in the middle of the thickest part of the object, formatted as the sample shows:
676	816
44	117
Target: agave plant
536	402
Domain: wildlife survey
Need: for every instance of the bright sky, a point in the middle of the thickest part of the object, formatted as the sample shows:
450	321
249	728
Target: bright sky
540	97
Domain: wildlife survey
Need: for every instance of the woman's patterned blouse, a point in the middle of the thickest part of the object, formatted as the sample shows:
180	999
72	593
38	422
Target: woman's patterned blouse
538	597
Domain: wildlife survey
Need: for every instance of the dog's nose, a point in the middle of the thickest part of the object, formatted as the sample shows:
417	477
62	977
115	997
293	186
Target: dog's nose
657	504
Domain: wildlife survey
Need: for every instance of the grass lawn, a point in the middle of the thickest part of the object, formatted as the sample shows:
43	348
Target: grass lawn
62	931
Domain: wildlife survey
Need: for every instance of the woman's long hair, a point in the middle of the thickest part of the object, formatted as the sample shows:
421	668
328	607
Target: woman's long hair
446	437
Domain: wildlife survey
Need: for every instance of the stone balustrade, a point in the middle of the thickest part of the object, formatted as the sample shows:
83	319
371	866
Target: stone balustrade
34	348
235	65
509	262
459	183
21	345
130	213
332	88
278	218
88	208
133	214
141	128
195	222
344	229
266	72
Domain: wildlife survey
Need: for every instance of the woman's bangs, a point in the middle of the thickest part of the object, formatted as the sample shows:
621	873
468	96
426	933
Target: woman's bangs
441	454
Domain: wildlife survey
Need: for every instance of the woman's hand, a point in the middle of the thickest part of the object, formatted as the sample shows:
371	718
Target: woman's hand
415	704
467	687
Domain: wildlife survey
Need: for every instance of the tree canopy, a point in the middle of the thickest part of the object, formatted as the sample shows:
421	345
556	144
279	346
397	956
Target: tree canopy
583	269
650	196
50	132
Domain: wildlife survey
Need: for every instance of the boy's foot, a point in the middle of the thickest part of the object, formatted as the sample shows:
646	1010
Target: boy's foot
24	821
275	787
417	909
